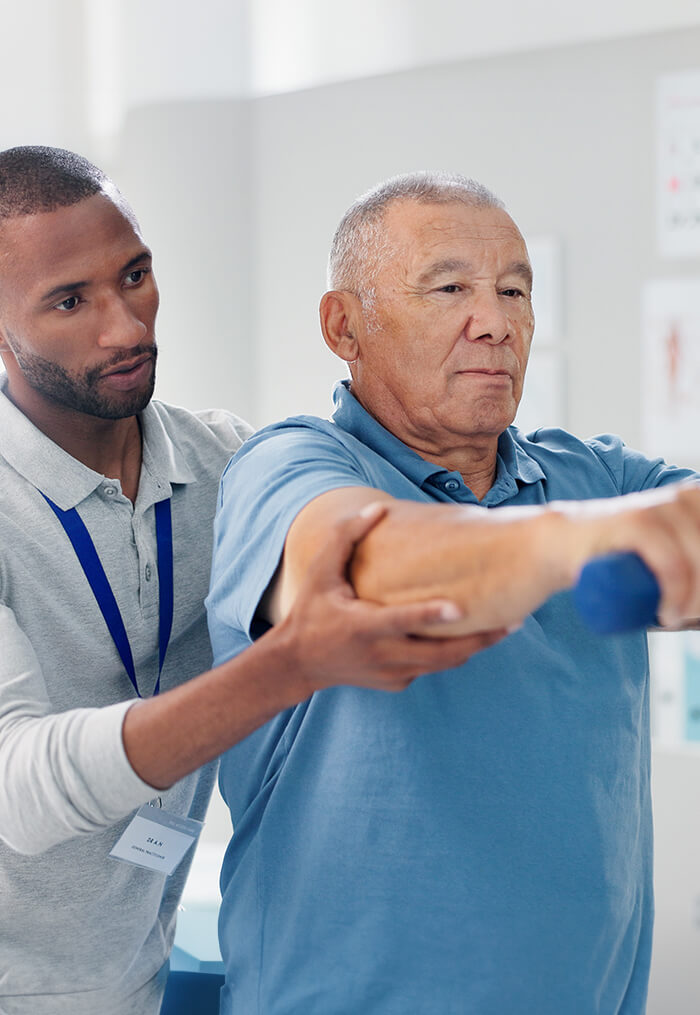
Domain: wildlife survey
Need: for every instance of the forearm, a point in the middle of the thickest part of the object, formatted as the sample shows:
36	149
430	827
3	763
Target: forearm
76	772
499	565
496	565
167	737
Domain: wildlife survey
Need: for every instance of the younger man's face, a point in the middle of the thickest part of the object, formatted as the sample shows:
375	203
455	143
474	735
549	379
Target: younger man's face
78	302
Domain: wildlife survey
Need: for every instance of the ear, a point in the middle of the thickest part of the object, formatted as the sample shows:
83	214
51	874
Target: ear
4	344
342	322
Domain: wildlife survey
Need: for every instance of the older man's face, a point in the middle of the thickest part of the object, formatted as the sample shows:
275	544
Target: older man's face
442	359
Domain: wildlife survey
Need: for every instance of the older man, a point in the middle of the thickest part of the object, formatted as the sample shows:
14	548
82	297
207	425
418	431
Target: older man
482	843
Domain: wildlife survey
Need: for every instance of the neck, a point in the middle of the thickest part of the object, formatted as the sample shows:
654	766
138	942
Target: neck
477	466
111	447
474	455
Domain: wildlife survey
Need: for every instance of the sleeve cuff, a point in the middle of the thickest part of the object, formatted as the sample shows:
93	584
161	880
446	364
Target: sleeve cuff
114	783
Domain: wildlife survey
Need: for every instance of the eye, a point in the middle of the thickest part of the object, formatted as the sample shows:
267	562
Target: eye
513	292
135	277
451	287
69	303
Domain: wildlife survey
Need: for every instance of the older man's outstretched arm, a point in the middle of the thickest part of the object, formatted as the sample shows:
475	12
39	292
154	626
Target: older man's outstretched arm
501	564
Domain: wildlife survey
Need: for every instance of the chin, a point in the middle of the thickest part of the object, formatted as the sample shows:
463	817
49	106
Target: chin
127	407
483	426
130	403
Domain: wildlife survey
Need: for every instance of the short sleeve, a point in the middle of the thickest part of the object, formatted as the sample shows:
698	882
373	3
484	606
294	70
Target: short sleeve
633	471
265	486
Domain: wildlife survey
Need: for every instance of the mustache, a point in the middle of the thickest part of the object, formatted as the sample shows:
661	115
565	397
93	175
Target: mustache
122	356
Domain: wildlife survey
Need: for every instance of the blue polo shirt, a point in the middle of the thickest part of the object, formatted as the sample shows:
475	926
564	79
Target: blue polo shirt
480	843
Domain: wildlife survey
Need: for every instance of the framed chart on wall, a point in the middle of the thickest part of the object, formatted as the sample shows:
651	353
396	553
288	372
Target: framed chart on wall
678	163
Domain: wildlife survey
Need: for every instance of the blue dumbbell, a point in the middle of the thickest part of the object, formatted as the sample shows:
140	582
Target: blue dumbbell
617	593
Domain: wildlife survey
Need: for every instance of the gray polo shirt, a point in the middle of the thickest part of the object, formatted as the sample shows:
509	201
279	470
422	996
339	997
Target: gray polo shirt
80	931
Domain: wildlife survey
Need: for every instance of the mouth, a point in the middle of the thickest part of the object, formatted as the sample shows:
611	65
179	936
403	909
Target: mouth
484	372
130	373
129	365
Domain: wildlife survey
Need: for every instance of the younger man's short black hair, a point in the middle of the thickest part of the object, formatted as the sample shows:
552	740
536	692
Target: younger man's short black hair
34	179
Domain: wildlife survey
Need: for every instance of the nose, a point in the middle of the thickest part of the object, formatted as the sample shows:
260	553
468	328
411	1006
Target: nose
488	322
120	327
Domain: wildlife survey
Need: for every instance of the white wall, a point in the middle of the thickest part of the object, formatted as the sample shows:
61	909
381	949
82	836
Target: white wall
42	74
191	194
309	43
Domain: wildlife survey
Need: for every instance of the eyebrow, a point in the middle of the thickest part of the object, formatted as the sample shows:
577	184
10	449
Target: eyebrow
521	268
443	268
68	287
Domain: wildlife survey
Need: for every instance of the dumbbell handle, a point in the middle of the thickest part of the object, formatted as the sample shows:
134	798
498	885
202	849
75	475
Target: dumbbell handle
617	593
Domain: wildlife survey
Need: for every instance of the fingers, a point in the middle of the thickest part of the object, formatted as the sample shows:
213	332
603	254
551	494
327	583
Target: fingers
392	665
416	656
686	529
663	527
414	618
363	644
667	537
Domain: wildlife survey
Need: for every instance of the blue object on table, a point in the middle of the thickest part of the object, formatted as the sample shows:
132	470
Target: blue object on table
617	593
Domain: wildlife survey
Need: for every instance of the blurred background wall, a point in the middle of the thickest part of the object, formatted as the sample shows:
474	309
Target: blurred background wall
240	131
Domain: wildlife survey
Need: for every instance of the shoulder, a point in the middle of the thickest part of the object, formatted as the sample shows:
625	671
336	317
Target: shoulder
557	448
205	440
180	445
214	424
276	473
598	466
303	441
301	430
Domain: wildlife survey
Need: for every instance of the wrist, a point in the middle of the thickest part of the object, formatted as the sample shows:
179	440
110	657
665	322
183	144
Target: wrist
571	531
286	674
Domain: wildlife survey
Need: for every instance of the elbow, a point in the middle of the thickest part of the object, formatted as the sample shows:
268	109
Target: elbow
33	831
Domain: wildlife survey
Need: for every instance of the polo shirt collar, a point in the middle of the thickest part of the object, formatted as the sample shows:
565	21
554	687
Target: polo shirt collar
67	481
163	459
514	465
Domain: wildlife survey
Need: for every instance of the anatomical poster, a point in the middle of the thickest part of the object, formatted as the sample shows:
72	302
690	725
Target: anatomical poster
671	370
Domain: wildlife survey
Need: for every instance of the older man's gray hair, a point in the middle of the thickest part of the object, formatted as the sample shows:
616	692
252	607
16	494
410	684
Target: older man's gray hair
360	242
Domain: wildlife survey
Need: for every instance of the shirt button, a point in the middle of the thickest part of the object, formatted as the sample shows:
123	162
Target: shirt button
147	572
452	485
110	491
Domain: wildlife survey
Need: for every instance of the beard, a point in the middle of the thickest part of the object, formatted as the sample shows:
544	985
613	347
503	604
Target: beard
80	391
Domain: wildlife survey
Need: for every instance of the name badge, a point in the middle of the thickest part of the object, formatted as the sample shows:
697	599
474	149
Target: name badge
156	839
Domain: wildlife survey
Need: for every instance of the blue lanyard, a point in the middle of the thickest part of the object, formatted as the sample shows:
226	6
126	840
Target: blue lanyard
99	583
